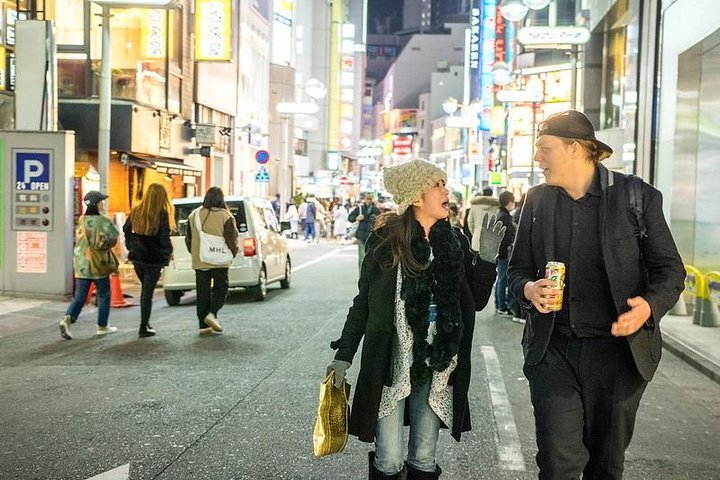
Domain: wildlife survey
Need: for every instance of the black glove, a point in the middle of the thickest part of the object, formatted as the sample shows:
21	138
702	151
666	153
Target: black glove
339	367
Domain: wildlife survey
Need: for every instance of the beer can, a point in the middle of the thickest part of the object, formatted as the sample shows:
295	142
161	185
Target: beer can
555	271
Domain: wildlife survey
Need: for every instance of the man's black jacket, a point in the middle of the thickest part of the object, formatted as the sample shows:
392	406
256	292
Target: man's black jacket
649	267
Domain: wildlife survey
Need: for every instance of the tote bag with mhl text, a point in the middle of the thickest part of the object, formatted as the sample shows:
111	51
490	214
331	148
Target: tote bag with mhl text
213	248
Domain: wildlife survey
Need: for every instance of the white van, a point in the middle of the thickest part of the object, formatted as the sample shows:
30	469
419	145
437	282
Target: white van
263	257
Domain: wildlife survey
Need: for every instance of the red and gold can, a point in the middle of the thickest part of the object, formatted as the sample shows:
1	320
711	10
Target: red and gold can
555	271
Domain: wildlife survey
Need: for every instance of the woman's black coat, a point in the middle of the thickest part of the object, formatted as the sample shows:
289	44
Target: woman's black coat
149	249
372	315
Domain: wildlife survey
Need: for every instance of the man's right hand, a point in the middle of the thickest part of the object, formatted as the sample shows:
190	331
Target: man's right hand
360	217
339	367
543	293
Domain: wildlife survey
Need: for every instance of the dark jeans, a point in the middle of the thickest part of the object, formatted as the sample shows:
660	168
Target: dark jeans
309	229
210	299
149	276
585	393
501	296
82	286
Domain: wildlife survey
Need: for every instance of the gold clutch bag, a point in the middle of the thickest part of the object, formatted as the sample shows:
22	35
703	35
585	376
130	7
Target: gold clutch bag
331	427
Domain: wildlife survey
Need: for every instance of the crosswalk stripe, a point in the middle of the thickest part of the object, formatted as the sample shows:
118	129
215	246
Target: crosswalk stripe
119	473
319	259
510	455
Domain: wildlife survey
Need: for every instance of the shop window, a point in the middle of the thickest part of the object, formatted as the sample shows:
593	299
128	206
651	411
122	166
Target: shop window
72	74
138	54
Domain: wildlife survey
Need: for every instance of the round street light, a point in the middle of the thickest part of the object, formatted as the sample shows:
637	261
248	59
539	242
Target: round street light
315	89
536	4
513	10
501	73
450	105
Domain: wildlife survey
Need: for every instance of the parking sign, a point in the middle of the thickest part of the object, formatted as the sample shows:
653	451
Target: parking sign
32	171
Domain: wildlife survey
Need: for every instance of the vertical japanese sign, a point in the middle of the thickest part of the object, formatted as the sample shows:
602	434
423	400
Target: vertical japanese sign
153	34
487	59
213	31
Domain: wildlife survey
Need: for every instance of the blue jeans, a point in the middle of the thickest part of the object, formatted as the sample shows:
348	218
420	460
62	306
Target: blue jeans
501	298
82	286
424	432
309	228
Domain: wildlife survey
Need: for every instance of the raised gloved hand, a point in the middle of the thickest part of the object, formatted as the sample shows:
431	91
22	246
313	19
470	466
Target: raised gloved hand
487	236
339	367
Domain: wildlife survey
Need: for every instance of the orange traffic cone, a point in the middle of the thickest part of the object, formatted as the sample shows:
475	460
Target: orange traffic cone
117	299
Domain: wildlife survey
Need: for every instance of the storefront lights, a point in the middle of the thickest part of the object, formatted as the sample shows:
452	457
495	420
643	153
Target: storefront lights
536	4
513	10
450	105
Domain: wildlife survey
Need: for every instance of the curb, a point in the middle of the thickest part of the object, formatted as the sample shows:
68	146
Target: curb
692	357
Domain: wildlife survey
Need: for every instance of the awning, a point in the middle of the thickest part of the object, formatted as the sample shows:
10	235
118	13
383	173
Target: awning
166	165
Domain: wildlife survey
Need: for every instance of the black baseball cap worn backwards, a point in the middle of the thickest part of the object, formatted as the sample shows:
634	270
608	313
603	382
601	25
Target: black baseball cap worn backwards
574	125
93	197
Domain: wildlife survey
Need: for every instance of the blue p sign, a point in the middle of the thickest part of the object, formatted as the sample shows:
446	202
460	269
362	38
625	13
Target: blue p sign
32	171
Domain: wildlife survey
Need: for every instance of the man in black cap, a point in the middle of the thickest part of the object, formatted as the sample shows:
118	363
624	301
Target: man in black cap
590	347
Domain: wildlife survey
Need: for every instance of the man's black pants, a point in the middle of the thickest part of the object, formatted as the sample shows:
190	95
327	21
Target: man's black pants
210	299
585	393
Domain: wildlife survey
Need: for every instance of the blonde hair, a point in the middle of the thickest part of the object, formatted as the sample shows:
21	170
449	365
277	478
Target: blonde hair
145	214
595	154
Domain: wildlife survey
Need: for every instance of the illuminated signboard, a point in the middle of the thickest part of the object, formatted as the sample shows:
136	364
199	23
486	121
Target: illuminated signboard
487	59
212	30
474	53
553	35
153	34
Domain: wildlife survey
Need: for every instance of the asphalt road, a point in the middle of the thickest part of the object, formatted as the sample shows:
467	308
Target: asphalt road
242	405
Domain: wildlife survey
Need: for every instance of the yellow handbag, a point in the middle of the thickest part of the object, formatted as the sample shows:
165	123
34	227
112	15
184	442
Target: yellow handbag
331	427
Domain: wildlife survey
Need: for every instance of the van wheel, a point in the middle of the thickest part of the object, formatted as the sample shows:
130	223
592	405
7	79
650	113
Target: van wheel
259	291
173	297
285	282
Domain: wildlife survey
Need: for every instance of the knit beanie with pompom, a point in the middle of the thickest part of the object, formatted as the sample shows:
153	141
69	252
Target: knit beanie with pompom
408	181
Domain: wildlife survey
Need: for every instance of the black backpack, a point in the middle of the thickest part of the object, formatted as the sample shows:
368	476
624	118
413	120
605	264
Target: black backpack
635	205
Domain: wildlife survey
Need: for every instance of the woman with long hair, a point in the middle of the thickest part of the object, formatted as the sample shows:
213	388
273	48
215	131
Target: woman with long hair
147	237
420	286
93	262
211	279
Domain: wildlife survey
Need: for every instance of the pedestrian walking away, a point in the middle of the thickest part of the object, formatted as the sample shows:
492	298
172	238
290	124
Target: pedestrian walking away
419	289
93	262
502	302
591	343
340	224
479	205
211	278
147	237
365	215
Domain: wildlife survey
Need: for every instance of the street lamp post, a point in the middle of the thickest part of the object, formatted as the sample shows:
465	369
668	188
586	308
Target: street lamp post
315	90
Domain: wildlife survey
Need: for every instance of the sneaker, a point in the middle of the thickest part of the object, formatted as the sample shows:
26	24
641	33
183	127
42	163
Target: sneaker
65	327
212	322
503	313
205	331
105	331
148	331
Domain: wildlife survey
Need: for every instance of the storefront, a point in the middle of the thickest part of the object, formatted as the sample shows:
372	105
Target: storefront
688	145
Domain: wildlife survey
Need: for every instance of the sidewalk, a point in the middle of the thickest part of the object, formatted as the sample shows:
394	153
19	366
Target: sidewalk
696	345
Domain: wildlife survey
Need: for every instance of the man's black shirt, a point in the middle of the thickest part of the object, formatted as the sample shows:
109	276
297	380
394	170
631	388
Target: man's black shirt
588	308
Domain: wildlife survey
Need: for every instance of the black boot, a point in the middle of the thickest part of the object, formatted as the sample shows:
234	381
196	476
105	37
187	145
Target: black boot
415	474
146	331
375	474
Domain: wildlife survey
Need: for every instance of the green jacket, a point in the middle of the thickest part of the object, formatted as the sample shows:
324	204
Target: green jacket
93	232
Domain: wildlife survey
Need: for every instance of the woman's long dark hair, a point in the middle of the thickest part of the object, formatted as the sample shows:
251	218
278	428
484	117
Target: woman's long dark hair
400	232
214	198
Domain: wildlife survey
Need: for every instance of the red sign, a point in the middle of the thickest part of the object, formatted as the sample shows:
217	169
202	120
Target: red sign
344	180
402	144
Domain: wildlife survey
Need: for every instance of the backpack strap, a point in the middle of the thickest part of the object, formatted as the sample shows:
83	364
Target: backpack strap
635	205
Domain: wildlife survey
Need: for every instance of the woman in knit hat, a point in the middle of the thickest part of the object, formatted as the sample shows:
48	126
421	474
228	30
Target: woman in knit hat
420	286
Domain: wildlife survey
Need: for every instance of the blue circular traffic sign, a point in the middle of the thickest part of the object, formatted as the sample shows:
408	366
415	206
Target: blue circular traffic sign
262	157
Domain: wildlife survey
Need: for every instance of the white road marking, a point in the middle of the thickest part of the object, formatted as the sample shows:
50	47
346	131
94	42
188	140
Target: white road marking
510	454
119	473
319	259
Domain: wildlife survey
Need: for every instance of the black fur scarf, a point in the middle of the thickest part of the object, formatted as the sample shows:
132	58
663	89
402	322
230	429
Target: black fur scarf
441	281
